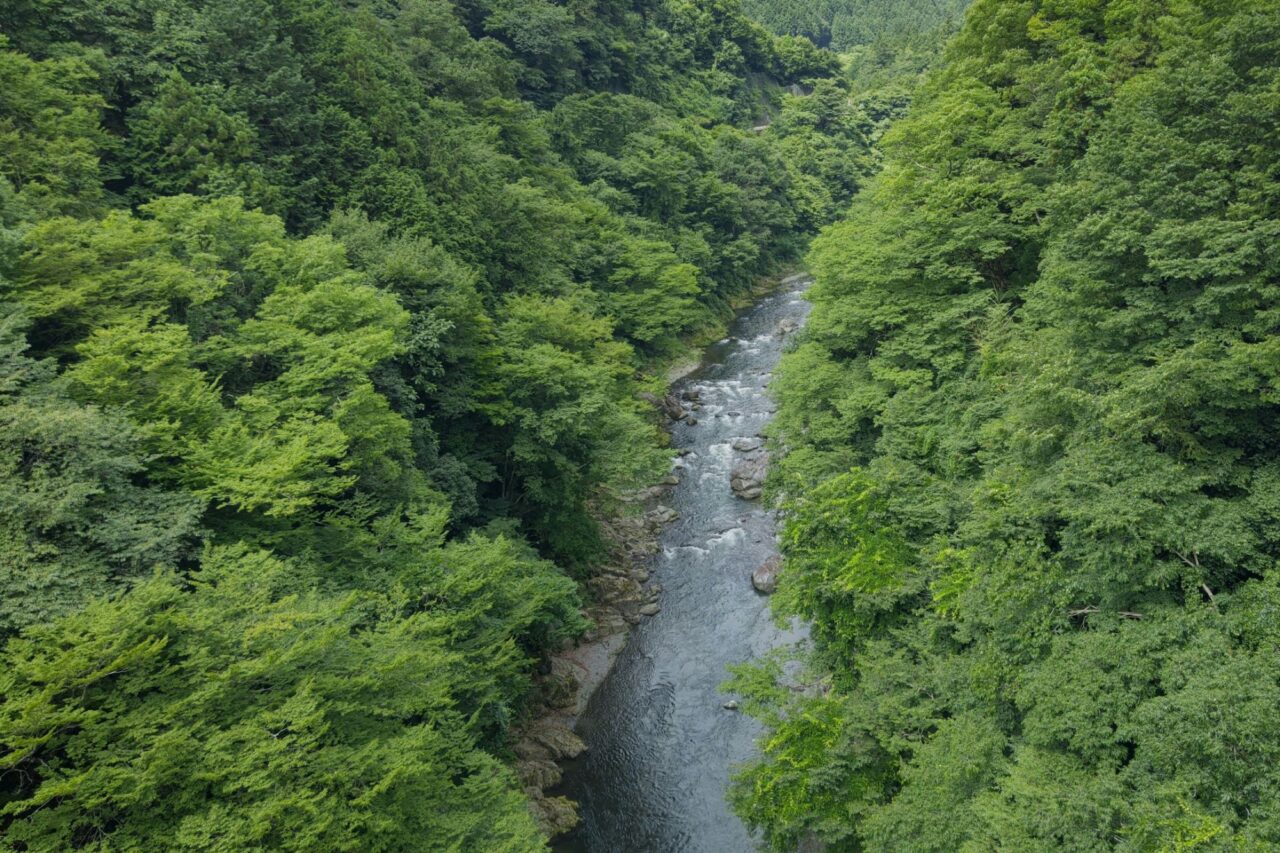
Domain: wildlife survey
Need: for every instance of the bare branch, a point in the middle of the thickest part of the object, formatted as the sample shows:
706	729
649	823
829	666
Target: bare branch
1193	561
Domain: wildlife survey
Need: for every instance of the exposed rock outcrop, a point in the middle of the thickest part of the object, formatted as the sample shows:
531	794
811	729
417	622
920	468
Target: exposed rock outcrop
620	596
667	404
540	773
556	739
555	815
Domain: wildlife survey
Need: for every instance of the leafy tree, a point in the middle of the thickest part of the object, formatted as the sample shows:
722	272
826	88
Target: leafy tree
1030	489
77	526
845	24
325	325
251	713
49	133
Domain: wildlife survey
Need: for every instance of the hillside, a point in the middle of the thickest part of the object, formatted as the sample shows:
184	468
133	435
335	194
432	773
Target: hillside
330	335
844	25
1031	470
326	328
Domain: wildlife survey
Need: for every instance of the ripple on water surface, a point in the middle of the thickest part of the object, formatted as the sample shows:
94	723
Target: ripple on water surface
661	746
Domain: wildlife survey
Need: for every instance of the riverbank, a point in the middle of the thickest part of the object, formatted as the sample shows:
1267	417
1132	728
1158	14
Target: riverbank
662	739
623	593
695	347
621	597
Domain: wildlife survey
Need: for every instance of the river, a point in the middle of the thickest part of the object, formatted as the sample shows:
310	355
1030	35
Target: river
661	744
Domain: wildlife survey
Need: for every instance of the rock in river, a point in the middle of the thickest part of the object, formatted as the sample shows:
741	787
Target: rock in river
555	815
765	578
667	404
747	477
661	514
539	773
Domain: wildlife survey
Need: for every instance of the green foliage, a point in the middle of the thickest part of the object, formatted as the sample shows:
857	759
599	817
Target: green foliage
324	325
1043	342
250	713
825	141
846	24
627	194
49	133
847	569
265	407
557	387
886	46
76	526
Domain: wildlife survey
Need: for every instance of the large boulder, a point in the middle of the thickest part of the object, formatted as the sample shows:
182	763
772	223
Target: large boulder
555	815
765	578
559	687
667	404
660	515
747	477
558	741
607	621
537	773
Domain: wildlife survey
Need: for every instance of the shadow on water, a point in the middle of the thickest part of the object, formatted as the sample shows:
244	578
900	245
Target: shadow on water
661	745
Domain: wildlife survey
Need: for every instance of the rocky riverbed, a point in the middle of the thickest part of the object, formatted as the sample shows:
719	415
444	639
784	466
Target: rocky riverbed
622	594
643	740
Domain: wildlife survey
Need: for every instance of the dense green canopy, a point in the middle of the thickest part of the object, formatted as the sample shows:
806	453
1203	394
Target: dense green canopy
323	330
849	24
1033	476
322	326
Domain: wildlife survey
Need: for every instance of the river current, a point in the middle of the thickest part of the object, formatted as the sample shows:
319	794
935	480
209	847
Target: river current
661	744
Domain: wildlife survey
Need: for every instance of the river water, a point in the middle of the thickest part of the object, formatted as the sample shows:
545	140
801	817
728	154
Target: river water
661	745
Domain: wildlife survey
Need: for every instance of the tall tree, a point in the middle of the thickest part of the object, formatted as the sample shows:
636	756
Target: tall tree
1031	480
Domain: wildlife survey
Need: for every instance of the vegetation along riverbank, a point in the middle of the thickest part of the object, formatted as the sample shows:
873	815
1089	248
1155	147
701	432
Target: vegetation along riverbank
335	338
324	340
1033	513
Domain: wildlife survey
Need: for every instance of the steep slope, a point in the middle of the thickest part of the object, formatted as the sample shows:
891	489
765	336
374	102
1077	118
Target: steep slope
324	326
1031	476
844	25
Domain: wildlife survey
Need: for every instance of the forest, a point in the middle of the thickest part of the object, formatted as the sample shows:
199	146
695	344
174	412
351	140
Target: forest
1031	476
329	333
325	334
847	25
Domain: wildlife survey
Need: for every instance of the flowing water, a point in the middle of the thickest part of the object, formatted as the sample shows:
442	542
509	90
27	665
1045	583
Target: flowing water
661	744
